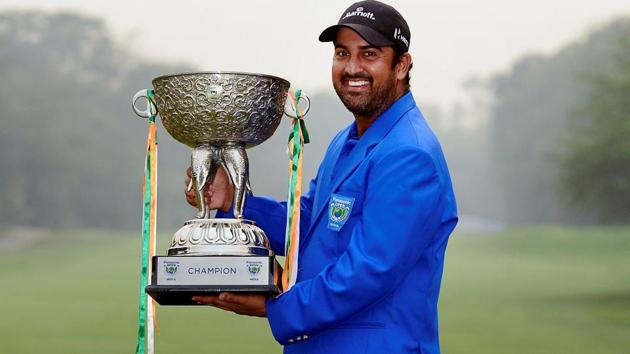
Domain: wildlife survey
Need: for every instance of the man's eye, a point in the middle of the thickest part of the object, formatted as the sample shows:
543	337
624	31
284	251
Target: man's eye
369	54
341	53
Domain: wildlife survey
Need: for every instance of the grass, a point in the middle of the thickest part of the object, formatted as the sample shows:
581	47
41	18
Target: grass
545	290
536	290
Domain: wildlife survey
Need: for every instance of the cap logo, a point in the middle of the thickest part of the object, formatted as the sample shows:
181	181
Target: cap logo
399	36
359	12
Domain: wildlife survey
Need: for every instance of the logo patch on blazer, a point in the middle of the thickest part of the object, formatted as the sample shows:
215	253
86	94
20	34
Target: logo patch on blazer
339	210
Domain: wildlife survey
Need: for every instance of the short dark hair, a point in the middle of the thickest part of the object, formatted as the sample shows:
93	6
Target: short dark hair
397	59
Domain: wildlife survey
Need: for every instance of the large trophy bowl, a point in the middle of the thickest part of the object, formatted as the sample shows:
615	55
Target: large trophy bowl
219	115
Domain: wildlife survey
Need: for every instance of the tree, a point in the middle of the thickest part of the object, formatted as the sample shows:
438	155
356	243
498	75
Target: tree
596	169
534	103
70	148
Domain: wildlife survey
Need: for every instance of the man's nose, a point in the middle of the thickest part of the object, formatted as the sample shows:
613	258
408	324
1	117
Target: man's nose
353	66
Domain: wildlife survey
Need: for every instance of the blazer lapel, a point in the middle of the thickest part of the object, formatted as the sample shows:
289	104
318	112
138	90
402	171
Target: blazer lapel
323	184
377	132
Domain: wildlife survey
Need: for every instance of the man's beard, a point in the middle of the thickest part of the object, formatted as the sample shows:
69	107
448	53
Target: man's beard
367	104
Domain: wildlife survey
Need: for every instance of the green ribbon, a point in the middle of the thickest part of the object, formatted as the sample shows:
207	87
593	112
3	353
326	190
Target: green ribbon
152	105
146	229
298	126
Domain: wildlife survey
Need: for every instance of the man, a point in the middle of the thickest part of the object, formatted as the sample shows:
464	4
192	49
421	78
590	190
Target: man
368	279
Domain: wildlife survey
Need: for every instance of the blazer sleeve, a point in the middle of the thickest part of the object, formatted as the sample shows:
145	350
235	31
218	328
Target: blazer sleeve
401	215
271	216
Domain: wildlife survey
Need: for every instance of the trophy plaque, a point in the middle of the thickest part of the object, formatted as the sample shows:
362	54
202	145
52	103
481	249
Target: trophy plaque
218	115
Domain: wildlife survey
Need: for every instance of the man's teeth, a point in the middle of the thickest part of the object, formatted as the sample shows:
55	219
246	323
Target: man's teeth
357	83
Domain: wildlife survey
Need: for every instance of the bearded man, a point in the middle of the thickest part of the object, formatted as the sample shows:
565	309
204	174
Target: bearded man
368	279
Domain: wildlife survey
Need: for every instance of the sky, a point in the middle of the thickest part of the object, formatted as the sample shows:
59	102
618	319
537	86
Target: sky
451	40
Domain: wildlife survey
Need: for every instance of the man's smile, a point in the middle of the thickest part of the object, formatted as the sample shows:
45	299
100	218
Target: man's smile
357	83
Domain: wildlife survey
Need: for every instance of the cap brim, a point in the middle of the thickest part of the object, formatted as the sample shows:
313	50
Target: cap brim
371	36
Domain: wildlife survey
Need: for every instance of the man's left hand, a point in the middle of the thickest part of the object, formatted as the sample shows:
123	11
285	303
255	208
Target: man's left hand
242	304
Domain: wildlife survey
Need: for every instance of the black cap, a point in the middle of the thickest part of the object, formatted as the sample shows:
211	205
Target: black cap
379	24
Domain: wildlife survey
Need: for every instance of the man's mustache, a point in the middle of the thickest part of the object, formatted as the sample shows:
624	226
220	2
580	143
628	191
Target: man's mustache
357	77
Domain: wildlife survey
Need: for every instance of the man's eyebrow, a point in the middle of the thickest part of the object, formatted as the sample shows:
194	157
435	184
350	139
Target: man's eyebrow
369	46
363	47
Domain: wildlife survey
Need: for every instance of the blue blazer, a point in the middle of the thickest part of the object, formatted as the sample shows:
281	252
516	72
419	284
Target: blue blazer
369	275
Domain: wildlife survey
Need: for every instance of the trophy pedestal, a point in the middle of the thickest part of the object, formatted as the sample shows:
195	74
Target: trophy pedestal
209	256
176	279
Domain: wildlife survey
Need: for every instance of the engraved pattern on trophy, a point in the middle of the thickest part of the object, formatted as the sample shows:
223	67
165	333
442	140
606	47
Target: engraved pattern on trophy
200	236
220	107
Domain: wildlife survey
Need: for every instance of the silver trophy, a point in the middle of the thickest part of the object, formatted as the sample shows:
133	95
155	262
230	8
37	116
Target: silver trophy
219	115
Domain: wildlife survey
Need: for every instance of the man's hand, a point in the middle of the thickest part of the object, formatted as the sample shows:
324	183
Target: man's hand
242	304
218	195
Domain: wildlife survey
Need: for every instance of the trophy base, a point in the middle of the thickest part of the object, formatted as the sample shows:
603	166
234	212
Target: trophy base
235	237
182	295
176	279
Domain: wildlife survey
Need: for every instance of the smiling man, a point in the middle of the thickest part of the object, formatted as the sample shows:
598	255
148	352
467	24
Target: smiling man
377	217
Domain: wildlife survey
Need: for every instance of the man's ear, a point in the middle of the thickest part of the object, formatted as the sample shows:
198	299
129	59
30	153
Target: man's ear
402	68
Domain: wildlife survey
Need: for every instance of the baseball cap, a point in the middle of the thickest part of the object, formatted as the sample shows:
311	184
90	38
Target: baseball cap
378	23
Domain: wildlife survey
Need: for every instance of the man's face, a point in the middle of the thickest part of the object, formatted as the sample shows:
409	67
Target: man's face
362	74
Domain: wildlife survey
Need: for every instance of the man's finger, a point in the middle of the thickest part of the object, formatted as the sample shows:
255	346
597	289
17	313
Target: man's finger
192	199
222	300
214	301
189	184
206	299
233	298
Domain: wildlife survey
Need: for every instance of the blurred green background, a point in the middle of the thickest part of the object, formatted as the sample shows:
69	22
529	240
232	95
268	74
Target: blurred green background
539	154
529	290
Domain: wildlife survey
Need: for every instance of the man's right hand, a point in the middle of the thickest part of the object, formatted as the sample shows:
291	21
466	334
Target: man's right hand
218	195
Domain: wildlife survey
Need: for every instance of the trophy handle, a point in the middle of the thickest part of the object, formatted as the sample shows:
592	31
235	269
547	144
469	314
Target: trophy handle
292	108
151	108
